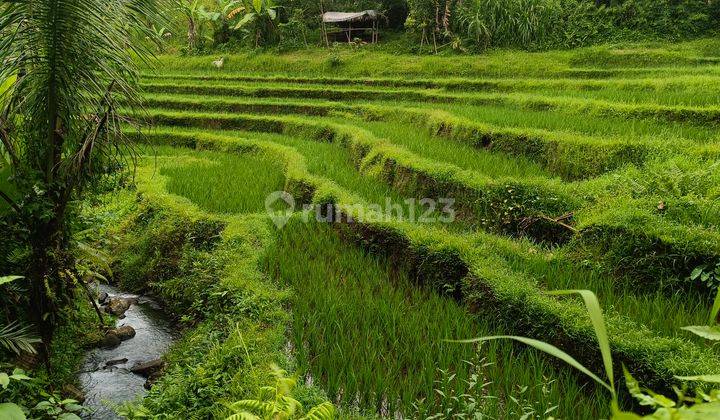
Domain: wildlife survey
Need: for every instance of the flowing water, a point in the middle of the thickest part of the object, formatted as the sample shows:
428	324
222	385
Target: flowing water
105	386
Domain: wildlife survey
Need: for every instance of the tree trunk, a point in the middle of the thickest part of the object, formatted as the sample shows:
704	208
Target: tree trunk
192	34
47	288
447	16
437	16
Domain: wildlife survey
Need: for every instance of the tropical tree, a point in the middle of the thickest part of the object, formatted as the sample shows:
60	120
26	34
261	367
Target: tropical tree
196	16
60	124
220	19
258	20
431	19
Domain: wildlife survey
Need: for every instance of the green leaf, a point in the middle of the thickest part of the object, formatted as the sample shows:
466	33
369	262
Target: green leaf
73	408
43	405
8	279
596	316
715	379
547	348
697	272
648	397
19	375
704	331
701	411
10	411
715	309
324	411
4	380
245	20
634	387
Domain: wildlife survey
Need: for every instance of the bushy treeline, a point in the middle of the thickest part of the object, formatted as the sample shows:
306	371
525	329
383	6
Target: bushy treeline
533	24
462	25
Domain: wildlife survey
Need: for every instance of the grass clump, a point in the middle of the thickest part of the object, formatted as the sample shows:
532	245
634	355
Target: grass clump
558	269
635	239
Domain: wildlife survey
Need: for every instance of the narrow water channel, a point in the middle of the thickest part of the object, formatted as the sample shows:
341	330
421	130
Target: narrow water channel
105	386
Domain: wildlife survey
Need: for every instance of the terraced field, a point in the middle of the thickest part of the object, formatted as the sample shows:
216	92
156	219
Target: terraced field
579	179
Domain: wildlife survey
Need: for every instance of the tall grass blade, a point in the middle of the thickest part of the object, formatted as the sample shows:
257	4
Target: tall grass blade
596	316
547	348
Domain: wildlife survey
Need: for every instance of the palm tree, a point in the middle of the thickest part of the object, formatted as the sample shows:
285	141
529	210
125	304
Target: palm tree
72	61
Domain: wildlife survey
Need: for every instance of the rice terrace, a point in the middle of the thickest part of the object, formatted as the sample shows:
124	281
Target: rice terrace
423	209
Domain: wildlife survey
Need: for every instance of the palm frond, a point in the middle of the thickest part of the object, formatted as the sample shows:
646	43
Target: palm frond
17	338
8	279
75	71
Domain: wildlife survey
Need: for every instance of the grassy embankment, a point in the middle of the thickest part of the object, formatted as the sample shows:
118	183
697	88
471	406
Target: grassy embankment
388	288
578	176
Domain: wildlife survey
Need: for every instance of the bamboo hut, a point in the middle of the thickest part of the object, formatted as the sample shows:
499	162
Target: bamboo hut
351	24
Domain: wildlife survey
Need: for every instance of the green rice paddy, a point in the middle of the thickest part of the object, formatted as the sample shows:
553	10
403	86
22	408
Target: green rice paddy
568	176
218	183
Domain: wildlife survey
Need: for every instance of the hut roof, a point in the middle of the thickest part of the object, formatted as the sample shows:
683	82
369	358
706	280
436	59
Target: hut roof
338	17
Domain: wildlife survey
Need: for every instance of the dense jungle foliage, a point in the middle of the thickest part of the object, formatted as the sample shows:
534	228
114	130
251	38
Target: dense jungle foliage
438	25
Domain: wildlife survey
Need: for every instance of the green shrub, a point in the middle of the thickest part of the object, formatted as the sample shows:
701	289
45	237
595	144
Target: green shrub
532	24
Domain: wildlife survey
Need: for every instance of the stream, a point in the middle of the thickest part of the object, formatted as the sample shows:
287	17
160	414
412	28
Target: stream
105	386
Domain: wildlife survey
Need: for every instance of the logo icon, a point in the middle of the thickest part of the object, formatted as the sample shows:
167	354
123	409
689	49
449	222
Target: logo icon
280	206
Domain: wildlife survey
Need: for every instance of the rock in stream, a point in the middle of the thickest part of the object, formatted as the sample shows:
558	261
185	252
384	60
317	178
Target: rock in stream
141	337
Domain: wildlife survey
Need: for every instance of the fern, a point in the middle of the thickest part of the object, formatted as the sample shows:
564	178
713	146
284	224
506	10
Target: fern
275	403
243	416
324	411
